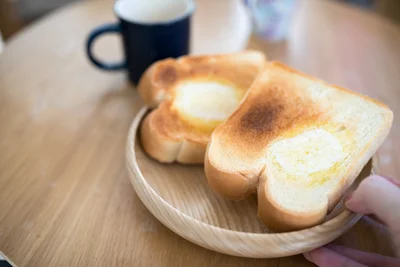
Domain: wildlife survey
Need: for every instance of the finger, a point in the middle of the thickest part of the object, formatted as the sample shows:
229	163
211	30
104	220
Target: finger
392	180
369	259
377	195
324	257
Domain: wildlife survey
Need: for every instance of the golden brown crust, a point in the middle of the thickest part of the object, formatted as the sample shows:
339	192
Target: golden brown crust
280	220
157	89
160	77
281	104
269	110
155	143
191	152
239	185
163	145
294	71
157	79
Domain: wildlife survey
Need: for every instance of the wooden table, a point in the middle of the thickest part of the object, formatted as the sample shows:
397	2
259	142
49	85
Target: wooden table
65	198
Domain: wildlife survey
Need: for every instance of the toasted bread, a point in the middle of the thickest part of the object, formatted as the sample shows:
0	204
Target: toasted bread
192	95
300	141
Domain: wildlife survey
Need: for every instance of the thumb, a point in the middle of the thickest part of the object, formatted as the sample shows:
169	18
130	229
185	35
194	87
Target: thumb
379	196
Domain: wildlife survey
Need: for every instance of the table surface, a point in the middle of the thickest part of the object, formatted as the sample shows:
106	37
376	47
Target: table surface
65	198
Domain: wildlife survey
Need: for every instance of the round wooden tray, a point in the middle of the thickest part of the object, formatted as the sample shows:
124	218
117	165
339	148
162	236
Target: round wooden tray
178	196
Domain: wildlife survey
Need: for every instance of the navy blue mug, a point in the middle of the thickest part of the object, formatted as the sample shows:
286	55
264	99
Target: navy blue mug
150	30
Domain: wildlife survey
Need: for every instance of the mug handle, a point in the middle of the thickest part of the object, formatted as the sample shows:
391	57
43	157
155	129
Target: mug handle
107	28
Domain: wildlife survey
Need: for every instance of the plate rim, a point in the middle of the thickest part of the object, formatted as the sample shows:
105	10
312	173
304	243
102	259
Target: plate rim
346	219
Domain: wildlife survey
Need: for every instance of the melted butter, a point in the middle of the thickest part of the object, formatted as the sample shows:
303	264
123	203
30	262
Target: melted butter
313	156
206	104
309	152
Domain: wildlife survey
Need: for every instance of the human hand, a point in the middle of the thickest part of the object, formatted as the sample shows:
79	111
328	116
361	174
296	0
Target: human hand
376	195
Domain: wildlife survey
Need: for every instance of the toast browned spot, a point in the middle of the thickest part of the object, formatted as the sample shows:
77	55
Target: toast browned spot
191	96
300	141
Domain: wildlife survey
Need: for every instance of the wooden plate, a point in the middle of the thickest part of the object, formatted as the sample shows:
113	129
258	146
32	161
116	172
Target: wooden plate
180	198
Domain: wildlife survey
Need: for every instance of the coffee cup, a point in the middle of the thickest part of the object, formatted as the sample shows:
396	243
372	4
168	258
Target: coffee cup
151	30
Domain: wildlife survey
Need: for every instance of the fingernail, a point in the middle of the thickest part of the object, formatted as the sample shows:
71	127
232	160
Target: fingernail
307	256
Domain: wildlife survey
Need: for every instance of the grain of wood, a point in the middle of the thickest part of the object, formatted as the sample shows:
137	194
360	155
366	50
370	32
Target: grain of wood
65	195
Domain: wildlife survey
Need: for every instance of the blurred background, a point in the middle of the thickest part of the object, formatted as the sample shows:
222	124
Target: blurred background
17	14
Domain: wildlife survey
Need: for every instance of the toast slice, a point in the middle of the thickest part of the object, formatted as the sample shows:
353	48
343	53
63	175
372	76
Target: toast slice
192	95
300	141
